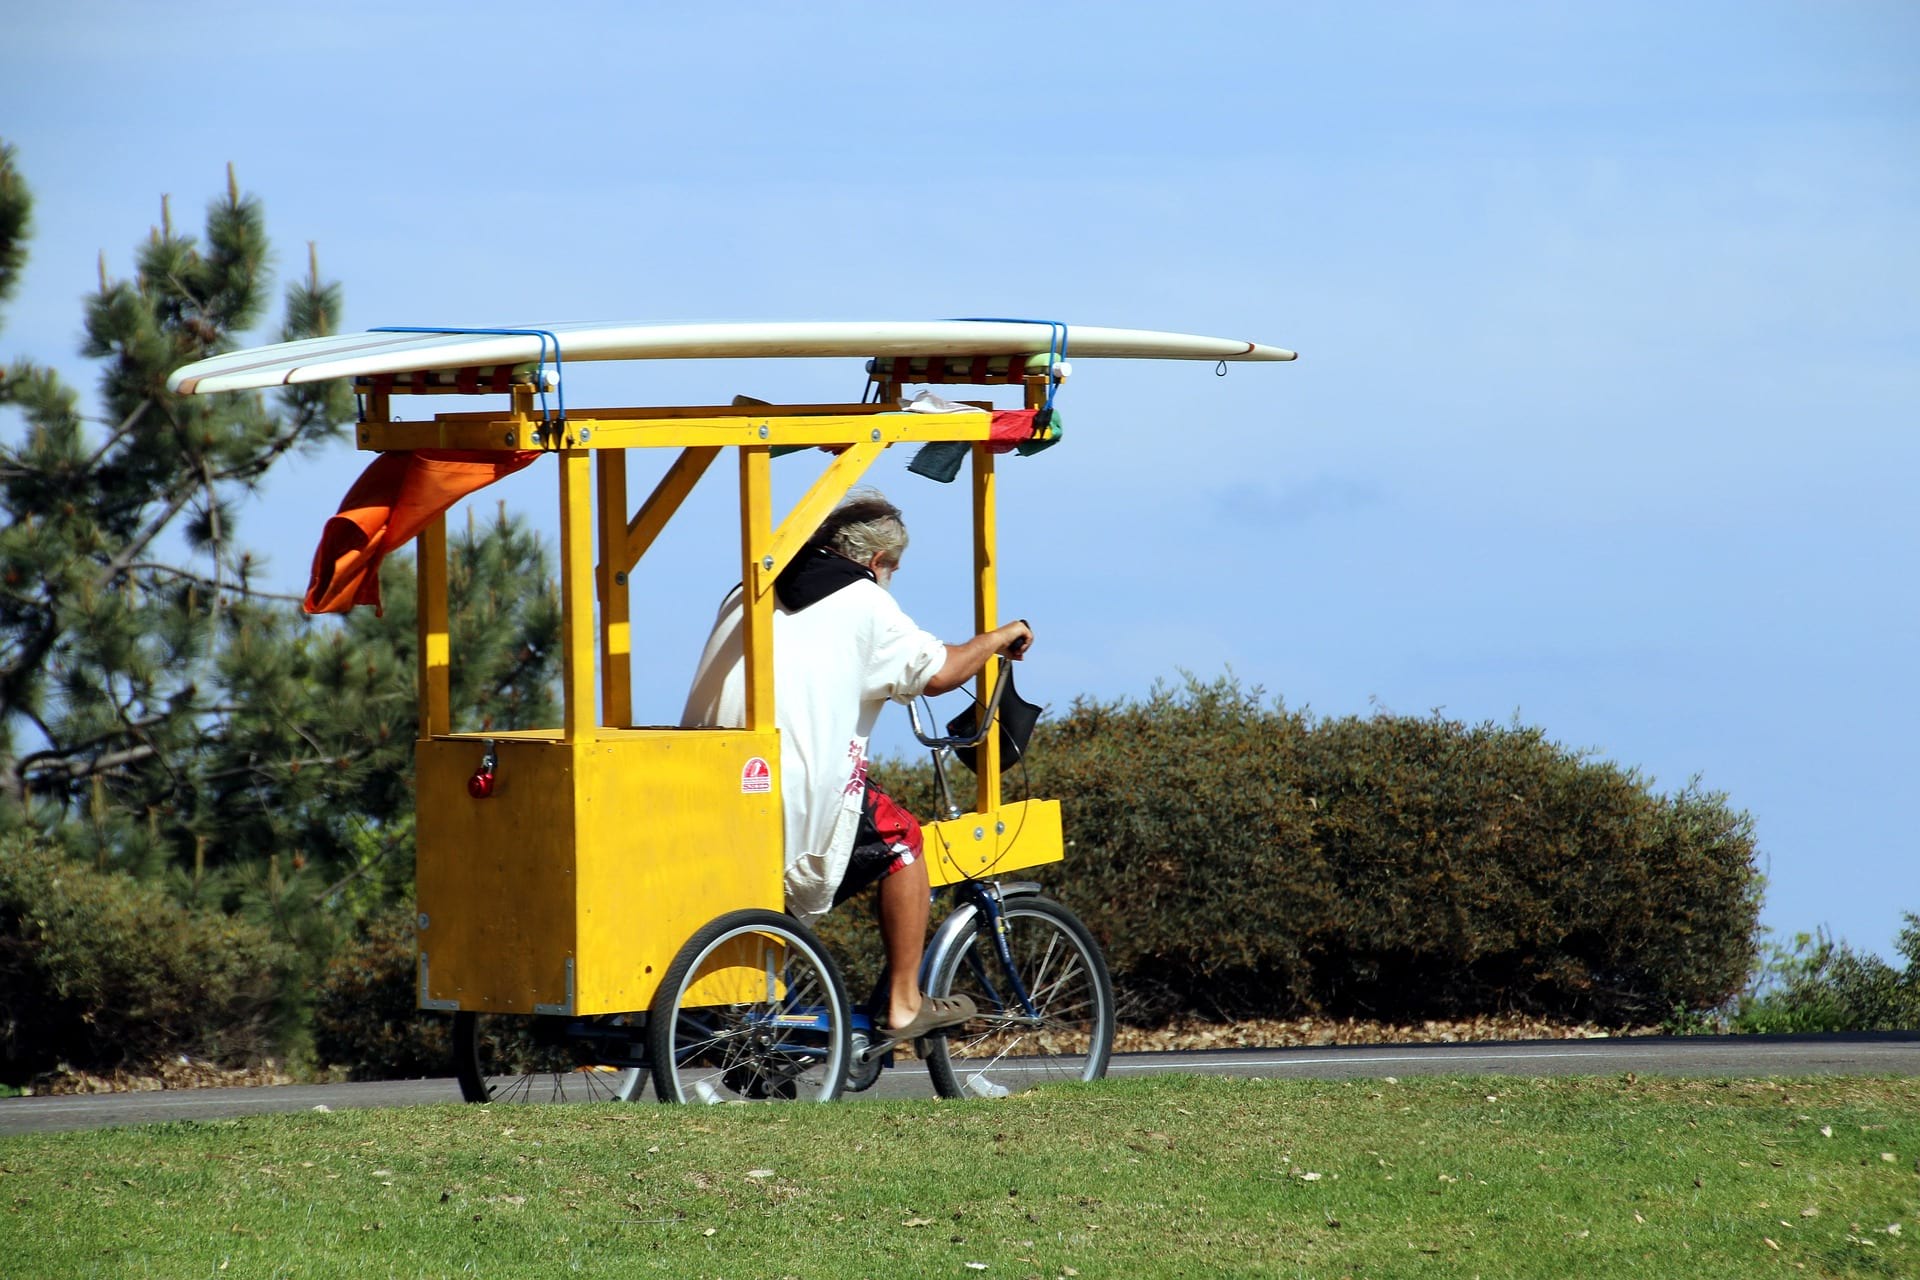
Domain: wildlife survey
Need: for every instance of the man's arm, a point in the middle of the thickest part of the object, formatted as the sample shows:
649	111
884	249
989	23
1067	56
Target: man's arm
965	660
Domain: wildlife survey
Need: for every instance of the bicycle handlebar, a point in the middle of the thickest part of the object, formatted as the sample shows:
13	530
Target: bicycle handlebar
987	721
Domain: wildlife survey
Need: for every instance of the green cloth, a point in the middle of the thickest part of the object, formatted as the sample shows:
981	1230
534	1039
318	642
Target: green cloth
941	460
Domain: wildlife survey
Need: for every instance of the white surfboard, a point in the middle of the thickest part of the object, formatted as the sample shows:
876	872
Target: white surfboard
375	352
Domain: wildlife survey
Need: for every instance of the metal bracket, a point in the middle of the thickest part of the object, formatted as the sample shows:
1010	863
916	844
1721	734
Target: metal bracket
566	1009
426	992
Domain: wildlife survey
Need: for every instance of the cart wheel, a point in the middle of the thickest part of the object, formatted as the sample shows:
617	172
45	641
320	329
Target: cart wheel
1069	1035
783	1036
503	1057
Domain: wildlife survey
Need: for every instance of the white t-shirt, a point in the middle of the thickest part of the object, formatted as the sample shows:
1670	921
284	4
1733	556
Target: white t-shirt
836	663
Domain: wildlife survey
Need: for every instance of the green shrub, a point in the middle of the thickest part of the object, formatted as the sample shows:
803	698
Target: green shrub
1237	858
365	1019
1817	985
100	971
1481	867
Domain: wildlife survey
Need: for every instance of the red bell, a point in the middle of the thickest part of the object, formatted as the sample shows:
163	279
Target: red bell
480	785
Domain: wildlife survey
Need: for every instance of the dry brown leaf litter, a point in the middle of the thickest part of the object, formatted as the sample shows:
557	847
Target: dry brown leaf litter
1180	1033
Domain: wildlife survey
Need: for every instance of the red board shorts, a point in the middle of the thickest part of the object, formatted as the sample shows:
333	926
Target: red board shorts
888	842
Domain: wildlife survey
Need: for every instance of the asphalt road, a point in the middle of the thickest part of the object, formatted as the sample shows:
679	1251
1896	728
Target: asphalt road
1885	1054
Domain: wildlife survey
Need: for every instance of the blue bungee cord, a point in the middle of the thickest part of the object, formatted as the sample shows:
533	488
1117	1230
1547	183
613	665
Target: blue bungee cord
1056	345
539	373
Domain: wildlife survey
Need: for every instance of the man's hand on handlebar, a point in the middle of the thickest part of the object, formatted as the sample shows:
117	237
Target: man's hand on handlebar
965	660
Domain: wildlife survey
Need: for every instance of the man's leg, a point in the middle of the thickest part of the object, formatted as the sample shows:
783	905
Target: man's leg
904	911
889	848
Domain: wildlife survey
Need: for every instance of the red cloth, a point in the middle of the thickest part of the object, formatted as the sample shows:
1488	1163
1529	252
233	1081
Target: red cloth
1010	428
398	495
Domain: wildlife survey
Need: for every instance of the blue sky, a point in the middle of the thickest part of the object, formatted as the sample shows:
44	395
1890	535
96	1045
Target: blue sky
1610	357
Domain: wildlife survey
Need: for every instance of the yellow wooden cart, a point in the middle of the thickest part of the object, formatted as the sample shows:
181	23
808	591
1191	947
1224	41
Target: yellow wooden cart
600	903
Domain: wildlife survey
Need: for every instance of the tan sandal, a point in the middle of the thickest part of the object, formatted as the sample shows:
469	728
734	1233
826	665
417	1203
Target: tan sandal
935	1012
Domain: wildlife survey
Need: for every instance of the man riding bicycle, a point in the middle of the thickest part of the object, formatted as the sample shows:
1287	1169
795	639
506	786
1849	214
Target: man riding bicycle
843	648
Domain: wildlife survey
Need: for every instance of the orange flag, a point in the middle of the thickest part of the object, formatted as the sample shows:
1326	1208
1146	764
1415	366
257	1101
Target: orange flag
394	498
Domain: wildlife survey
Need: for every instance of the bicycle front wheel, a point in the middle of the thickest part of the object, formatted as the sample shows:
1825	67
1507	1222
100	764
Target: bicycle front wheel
753	1009
1063	1030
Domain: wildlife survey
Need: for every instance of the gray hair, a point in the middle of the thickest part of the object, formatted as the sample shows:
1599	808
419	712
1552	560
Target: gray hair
864	525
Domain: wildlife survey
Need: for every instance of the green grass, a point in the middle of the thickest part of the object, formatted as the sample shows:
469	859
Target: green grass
1171	1176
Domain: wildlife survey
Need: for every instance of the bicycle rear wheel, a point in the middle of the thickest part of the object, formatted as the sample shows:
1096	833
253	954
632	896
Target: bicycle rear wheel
780	1031
1068	1035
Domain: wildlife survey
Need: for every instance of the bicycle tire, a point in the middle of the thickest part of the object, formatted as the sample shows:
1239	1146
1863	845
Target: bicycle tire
1066	977
792	1043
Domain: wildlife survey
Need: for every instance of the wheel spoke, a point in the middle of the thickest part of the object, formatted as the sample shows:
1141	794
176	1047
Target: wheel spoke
510	1059
790	1042
1068	1032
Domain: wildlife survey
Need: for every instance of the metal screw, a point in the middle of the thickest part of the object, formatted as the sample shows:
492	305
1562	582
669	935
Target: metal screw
979	833
999	828
423	920
620	578
509	439
766	563
537	438
363	435
876	434
586	434
763	432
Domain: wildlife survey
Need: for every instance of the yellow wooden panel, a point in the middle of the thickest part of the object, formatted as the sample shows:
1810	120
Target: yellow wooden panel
515	434
603	413
747	970
495	876
574	885
975	847
675	827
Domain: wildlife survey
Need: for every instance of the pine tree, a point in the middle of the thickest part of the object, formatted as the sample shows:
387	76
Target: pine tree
162	716
316	760
158	712
121	580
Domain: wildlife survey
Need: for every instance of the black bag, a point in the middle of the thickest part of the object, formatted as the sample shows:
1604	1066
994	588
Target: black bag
1017	718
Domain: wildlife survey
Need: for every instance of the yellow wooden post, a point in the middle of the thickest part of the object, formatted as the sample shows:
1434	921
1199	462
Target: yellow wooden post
433	649
616	642
576	593
756	538
986	611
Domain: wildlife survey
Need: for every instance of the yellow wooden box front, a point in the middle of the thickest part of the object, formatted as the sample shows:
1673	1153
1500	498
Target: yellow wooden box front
572	887
976	847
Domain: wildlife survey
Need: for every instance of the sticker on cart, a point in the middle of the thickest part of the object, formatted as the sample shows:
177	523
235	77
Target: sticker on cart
756	779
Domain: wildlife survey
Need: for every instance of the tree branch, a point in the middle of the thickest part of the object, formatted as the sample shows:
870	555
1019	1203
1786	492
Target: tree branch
245	592
386	849
131	552
214	540
75	770
127	424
